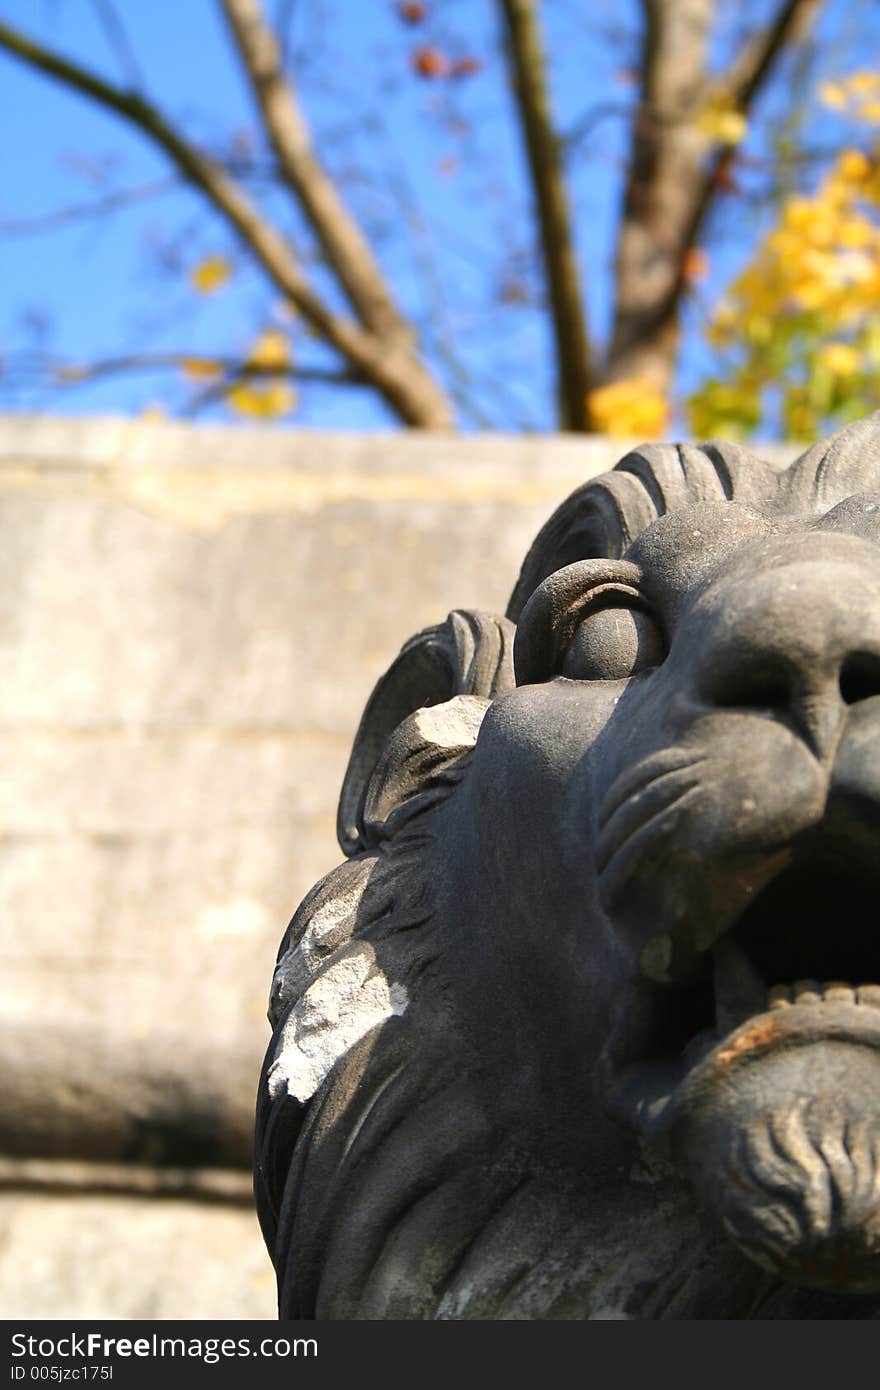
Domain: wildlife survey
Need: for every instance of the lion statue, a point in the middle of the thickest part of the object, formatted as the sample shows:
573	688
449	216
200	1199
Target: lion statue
588	1023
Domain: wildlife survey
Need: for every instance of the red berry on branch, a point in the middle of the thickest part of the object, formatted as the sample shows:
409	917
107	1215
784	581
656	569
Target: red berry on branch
430	62
466	67
694	265
412	11
725	179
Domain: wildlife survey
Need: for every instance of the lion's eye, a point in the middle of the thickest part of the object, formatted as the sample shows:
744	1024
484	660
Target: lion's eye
588	621
613	644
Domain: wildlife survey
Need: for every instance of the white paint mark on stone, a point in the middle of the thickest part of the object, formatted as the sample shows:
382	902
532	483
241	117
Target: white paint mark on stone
348	999
328	928
453	724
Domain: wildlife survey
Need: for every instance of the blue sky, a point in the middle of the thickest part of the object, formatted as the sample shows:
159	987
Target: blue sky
435	172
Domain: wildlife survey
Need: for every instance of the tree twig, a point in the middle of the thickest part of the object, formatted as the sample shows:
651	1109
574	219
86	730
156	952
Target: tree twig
588	122
543	147
390	367
749	74
671	184
751	68
82	374
118	40
77	212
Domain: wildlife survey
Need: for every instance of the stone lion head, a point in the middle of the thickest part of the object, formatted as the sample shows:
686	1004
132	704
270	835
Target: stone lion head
588	1023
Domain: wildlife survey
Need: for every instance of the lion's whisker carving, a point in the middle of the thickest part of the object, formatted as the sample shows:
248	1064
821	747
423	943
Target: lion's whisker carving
588	1025
634	780
665	793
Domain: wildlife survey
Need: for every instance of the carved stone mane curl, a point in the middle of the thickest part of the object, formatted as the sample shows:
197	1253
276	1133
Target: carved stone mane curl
604	516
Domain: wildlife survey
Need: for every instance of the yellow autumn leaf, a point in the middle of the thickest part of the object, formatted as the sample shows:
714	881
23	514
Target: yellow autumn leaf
814	278
812	295
729	408
153	414
630	407
264	400
800	214
853	166
863	83
271	351
856	233
200	369
858	95
722	123
210	274
840	358
832	95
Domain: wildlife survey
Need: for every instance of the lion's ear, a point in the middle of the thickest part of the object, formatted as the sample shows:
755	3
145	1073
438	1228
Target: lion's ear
470	654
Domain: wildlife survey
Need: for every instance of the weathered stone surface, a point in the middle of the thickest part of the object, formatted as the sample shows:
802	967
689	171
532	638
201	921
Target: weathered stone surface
588	1023
99	1256
190	622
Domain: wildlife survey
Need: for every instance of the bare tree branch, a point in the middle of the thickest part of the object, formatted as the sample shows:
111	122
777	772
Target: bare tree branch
544	151
671	184
78	212
76	374
237	373
343	243
748	75
390	367
677	172
220	373
592	118
34	370
751	68
663	182
118	40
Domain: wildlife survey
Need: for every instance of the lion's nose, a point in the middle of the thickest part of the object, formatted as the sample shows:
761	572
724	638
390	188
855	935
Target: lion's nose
801	645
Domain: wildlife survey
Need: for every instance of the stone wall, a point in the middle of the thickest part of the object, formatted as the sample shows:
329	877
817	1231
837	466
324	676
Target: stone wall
190	623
